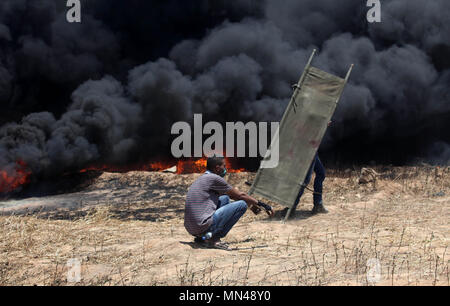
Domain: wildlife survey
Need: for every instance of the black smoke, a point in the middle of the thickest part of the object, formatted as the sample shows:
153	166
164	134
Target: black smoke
108	90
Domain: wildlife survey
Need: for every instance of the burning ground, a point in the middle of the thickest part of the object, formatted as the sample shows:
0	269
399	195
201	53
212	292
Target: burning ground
127	229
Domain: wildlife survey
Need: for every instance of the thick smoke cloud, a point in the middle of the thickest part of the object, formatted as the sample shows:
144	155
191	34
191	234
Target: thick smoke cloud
312	22
164	95
47	59
108	90
99	124
421	24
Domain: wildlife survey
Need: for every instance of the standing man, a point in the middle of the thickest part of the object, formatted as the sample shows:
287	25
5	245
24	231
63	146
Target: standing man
208	208
319	170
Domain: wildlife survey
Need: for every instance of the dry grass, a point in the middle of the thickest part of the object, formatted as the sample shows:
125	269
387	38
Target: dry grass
402	221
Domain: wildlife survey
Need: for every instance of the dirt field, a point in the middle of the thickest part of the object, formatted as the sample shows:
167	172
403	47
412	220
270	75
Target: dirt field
402	221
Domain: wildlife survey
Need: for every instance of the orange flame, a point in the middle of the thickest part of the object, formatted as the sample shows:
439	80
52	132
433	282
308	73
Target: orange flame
11	181
187	166
231	168
156	166
199	165
191	166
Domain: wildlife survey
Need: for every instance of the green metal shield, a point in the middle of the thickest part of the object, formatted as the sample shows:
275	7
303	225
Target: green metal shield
300	133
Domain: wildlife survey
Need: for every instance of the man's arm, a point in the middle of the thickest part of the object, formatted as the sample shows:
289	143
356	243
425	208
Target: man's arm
237	195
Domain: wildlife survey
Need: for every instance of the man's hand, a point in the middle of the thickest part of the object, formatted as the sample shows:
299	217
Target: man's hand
253	204
255	209
267	208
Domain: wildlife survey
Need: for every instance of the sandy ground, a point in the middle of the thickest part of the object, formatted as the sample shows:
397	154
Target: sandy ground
131	233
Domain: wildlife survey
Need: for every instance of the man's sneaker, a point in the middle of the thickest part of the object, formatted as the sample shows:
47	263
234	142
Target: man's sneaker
319	209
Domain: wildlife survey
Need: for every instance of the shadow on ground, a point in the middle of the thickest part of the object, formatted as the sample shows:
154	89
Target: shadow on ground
151	214
295	215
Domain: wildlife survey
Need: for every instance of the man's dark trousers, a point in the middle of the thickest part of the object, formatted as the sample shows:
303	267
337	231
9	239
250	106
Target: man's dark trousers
319	170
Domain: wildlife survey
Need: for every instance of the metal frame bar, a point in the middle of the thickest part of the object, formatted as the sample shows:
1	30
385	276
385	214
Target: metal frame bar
297	89
345	82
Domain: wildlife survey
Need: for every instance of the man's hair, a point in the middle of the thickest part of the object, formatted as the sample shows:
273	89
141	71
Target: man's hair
212	162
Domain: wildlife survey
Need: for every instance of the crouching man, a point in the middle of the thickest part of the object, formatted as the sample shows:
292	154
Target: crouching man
208	208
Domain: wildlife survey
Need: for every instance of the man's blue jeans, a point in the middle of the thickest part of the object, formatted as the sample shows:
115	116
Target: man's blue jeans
318	168
226	216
